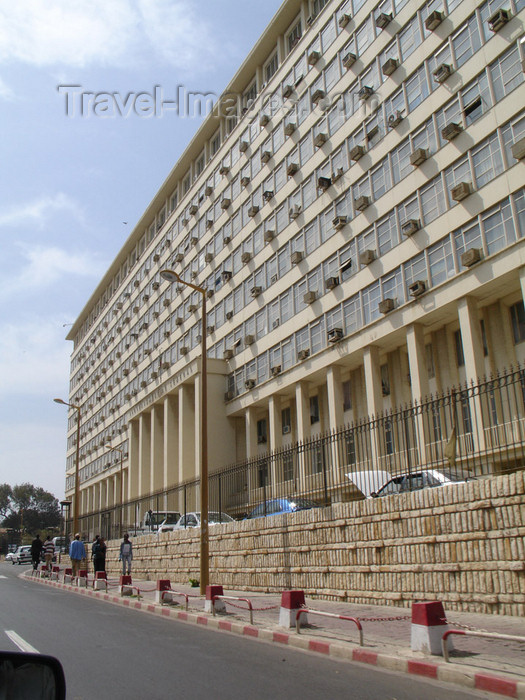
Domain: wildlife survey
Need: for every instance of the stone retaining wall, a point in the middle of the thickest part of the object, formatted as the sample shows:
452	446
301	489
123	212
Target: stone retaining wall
462	544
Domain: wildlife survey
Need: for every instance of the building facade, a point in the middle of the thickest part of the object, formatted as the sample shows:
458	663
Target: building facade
355	208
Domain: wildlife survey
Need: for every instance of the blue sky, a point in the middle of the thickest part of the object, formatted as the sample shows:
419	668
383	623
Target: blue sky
67	183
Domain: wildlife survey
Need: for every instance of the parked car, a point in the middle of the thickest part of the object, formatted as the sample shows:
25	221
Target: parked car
21	556
276	506
375	484
193	519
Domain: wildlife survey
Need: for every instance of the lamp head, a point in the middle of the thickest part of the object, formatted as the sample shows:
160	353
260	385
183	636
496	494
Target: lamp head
170	276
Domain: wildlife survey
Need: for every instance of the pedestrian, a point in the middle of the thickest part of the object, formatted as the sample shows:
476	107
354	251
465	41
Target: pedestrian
77	552
98	554
49	551
126	555
36	551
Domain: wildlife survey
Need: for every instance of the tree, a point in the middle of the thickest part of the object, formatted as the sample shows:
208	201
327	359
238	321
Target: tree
32	508
5	499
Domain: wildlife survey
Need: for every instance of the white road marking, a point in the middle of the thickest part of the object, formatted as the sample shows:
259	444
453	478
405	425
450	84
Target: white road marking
2	576
21	643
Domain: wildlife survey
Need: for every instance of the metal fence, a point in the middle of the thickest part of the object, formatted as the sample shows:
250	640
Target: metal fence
471	431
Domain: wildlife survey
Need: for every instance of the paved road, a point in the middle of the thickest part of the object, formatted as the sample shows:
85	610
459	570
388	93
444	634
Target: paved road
109	652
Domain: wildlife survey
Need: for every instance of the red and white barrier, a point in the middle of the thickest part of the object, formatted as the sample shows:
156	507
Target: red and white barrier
428	626
68	575
82	578
291	602
209	605
162	593
100	581
54	573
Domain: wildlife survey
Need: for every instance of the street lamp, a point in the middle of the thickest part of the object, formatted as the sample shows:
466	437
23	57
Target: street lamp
118	449
65	506
172	277
77	461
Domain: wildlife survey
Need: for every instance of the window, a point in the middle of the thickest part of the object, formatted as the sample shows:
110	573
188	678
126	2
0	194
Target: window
517	316
294	36
288	470
314	410
270	69
458	343
347	395
286	420
261	431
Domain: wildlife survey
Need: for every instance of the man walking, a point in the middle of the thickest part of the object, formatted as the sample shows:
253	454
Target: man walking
36	551
77	552
49	550
126	555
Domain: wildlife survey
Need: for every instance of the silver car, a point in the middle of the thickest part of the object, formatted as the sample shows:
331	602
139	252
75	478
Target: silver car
193	519
21	556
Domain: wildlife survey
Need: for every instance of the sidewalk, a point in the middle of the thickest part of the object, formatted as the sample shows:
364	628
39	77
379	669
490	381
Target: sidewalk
496	665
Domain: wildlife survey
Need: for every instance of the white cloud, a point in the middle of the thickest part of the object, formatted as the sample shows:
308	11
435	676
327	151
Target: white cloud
6	93
79	33
38	211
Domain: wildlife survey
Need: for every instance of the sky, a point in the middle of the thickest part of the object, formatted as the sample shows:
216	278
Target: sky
76	173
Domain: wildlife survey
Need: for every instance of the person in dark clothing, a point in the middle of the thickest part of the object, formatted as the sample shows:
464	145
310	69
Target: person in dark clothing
36	551
97	555
103	549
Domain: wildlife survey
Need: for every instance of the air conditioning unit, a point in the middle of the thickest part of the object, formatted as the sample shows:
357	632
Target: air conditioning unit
229	315
331	282
313	57
125	372
410	226
194	240
417	288
165	365
249	339
246	257
292	169
184	221
209	223
252	211
318	95
264	120
179	321
226	275
383	20
243	146
193	209
224	170
228	354
434	20
155	285
269	235
303	354
337	174
442	72
386	305
394	120
339	222
296	257
245	181
209	293
357	152
275	370
309	297
367	256
518	149
450	131
154	375
167	334
179	257
471	257
265	156
267	195
286	429
335	335
255	291
461	191
208	257
349	59
294	211
226	240
323	183
390	66
166	302
273	279
362	202
320	139
136	309
499	19
225	203
208	190
249	383
289	128
365	92
418	156
287	91
210	329
343	20
184	350
228	396
192	308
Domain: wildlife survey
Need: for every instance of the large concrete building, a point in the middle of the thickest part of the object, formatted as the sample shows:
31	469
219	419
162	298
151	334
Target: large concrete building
354	207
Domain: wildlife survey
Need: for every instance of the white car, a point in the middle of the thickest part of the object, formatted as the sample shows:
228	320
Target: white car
21	556
193	519
374	484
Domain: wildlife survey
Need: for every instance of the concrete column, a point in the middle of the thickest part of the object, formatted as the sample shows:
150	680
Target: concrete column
276	436
132	490
171	441
374	400
334	390
251	445
157	448
474	364
302	410
186	433
419	382
144	453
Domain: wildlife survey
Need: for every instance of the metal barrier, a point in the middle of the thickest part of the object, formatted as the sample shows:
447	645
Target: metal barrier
172	593
471	633
327	614
231	597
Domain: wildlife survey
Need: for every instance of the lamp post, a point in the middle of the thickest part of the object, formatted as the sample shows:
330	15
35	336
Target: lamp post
119	449
65	506
77	461
172	277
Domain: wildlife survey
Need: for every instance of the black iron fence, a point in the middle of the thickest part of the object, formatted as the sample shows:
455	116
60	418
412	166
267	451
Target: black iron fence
471	431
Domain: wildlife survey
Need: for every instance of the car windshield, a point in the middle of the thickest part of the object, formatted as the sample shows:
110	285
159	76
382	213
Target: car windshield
217	517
